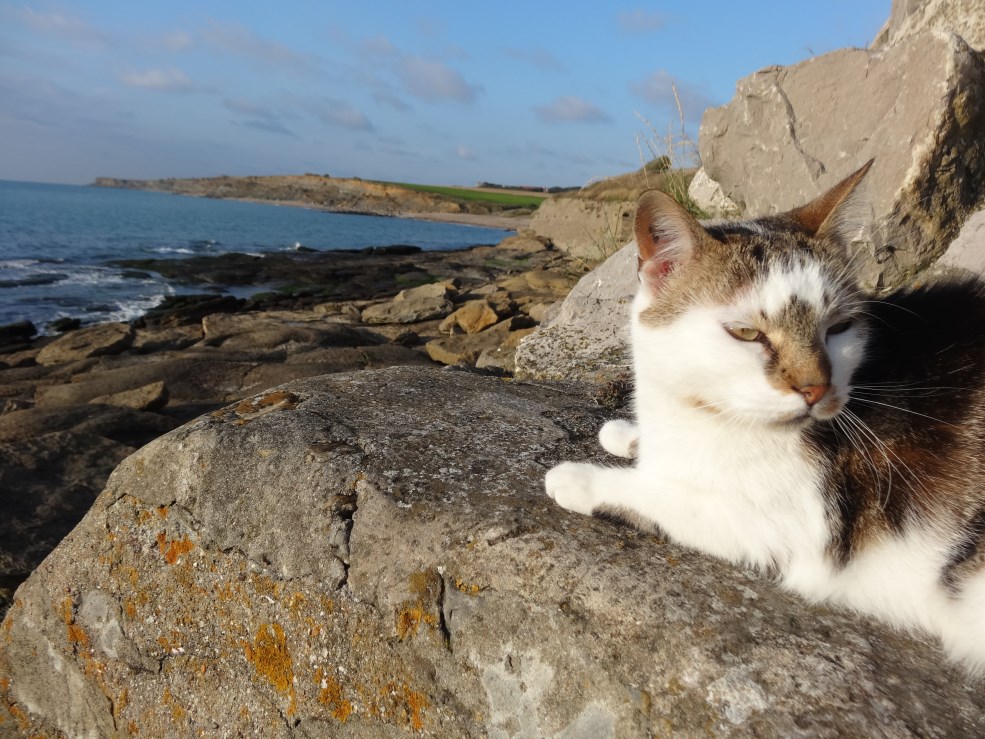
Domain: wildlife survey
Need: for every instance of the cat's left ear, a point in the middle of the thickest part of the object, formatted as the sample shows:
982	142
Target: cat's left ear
838	214
666	237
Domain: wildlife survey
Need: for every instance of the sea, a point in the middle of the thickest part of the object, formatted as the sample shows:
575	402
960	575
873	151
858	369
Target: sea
58	242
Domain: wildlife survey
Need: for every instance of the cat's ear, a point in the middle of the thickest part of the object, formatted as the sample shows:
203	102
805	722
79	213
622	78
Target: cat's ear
666	237
840	213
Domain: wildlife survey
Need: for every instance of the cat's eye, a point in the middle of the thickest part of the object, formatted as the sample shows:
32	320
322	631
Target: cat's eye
839	328
743	333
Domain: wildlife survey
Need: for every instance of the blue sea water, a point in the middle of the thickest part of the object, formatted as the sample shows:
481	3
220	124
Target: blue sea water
56	242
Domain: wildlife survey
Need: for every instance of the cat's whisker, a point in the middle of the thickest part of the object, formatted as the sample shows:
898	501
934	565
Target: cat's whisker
869	401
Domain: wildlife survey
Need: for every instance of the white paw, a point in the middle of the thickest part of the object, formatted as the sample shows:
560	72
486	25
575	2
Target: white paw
620	438
570	484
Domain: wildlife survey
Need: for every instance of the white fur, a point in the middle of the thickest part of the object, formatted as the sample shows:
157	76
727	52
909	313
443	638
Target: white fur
731	478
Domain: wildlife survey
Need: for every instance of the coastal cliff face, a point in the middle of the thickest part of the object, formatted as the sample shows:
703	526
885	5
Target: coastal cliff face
341	195
372	554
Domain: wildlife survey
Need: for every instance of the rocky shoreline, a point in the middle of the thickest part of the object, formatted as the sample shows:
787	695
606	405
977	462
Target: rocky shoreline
73	406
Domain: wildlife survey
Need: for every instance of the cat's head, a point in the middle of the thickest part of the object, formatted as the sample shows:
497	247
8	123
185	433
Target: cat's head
759	321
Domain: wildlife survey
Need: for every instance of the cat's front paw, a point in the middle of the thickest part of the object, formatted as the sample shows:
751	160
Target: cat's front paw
569	484
621	438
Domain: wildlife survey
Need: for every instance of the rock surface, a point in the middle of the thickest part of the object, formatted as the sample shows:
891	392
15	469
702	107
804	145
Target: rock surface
63	425
966	18
708	195
588	229
587	340
94	341
372	554
967	251
917	107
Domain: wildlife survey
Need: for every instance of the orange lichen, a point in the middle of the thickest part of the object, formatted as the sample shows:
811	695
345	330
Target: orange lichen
177	712
269	656
75	634
19	716
410	617
172	550
468	588
133	728
331	696
410	702
162	511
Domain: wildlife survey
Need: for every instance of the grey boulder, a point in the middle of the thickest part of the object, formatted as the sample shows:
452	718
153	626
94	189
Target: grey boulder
372	554
916	107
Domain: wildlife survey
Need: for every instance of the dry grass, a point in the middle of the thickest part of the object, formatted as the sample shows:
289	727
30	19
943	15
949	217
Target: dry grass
668	161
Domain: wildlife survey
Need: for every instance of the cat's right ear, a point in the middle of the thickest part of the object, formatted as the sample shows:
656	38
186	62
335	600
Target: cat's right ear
666	237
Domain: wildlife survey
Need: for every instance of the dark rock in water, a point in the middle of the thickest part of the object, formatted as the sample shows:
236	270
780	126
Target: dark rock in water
391	249
133	274
61	325
178	310
45	278
15	336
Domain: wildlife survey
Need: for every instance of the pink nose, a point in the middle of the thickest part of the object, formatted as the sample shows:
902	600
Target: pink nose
813	393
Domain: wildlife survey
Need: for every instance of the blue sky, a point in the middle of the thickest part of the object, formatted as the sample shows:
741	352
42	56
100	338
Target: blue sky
539	92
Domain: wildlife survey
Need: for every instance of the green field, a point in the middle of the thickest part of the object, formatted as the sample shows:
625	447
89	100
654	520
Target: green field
507	199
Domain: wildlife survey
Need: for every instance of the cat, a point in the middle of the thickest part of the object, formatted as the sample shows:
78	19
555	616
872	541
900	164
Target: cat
788	421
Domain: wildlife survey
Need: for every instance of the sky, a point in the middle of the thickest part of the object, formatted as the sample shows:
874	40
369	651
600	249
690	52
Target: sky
537	93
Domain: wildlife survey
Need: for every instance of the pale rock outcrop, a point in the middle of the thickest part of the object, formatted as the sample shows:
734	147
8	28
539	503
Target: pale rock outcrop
589	229
967	251
916	107
966	18
412	305
708	195
588	338
372	554
94	341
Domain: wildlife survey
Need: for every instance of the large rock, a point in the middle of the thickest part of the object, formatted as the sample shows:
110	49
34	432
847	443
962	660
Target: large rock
412	305
967	251
372	555
966	18
917	107
588	339
94	341
589	229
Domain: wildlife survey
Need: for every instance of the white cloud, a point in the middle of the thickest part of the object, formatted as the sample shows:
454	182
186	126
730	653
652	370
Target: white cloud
177	40
338	113
434	81
536	57
640	21
67	27
465	152
571	110
169	79
238	39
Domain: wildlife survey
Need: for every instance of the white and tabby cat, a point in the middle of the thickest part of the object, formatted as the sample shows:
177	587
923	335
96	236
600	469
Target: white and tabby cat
787	421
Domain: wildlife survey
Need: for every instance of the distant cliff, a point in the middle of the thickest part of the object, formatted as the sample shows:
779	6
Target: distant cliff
330	193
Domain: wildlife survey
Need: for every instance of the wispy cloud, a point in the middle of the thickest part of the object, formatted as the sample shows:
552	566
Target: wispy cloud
465	152
537	58
425	78
658	89
238	39
640	21
252	114
177	40
571	110
434	81
337	113
167	79
66	27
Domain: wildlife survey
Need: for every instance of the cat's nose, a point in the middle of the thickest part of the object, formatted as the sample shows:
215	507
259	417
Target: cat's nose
813	393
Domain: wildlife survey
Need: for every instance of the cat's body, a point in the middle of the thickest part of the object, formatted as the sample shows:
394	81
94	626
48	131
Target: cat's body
786	421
